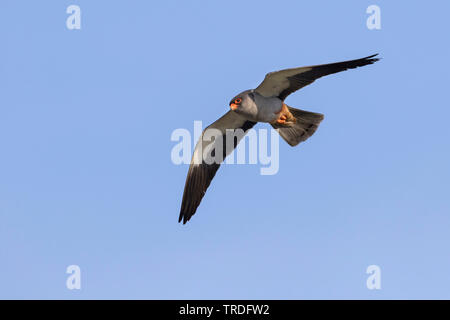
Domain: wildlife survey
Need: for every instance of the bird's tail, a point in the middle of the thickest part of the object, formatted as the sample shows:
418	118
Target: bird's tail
298	126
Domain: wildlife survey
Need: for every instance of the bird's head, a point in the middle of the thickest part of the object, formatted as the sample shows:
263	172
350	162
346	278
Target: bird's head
235	103
243	102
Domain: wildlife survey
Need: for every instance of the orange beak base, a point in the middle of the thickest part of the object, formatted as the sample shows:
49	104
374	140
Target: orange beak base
233	106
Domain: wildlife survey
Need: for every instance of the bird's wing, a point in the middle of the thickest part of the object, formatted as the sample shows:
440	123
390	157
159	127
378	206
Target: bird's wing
282	83
216	142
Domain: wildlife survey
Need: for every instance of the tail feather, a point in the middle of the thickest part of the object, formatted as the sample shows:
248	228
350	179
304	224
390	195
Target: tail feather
304	126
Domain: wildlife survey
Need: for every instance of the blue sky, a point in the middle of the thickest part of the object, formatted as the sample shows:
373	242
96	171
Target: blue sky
86	176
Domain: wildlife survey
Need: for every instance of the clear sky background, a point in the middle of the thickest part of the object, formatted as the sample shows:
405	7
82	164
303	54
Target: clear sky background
86	176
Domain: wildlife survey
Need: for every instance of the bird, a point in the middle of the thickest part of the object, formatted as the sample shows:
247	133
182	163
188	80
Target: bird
266	104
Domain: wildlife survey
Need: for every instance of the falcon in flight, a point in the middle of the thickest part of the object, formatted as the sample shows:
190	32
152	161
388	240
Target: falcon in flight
263	104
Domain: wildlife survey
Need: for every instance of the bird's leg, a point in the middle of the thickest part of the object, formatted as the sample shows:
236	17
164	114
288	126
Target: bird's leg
282	119
285	116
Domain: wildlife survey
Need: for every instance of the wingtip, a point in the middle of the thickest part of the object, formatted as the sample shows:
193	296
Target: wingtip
372	58
184	217
180	218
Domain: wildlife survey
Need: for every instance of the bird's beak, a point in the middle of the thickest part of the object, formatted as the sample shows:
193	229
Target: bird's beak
233	106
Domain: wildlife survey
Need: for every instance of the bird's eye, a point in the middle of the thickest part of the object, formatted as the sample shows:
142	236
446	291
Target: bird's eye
238	100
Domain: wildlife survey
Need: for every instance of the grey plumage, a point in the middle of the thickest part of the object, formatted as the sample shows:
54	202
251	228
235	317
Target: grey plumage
284	82
306	124
263	104
201	172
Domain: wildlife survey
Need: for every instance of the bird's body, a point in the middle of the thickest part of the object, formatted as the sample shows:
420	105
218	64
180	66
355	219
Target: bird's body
255	107
262	104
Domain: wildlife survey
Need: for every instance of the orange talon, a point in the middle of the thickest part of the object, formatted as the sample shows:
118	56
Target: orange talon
282	121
